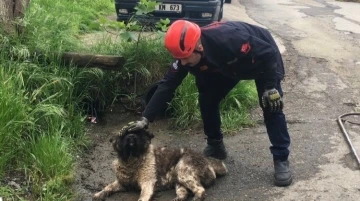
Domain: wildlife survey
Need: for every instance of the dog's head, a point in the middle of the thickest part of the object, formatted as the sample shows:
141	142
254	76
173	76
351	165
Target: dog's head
131	144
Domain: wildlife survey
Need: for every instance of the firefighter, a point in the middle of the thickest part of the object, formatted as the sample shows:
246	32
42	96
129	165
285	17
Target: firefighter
219	55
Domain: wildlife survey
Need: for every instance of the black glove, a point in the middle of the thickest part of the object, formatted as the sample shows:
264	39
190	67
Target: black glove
272	101
138	125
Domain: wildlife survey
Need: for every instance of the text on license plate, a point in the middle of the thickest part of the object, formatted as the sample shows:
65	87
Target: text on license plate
169	7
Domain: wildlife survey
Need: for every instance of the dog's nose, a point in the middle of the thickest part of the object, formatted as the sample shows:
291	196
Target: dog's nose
131	139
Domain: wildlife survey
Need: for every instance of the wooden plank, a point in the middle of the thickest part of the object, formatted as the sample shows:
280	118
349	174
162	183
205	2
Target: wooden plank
107	62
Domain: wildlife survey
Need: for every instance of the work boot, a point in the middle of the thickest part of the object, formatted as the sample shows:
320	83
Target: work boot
215	149
282	173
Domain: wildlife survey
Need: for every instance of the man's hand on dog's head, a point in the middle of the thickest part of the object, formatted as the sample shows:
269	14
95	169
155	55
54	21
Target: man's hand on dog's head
124	130
137	125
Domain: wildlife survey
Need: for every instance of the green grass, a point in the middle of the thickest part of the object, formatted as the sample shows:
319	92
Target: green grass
42	126
50	162
12	194
147	59
185	105
234	108
13	119
56	25
49	155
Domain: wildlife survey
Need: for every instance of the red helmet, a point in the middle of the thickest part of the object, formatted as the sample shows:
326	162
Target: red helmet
181	38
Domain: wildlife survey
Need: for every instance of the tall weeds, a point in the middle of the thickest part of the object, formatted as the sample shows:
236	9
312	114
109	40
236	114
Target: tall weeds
234	108
14	119
41	101
42	124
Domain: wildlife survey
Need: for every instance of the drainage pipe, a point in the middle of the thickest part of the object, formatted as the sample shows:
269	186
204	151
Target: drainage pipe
340	121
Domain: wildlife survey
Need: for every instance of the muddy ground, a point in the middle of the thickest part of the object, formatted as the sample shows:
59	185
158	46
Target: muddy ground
320	42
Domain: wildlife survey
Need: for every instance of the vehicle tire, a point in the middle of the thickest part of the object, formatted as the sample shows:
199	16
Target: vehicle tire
221	14
227	1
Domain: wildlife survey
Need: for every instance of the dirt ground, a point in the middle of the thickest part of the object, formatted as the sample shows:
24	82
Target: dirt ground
320	40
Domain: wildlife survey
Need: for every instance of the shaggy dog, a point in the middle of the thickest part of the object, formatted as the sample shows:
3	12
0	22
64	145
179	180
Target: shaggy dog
143	167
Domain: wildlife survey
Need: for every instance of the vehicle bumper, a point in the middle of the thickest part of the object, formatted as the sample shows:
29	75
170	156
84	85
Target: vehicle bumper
191	11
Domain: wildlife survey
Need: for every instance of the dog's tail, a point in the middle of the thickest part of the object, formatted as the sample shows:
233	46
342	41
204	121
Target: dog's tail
218	165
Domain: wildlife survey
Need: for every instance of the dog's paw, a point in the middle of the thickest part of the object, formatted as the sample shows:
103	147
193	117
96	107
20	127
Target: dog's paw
178	199
202	198
152	199
99	196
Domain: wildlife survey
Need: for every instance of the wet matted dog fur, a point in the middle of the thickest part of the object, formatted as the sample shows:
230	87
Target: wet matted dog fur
141	166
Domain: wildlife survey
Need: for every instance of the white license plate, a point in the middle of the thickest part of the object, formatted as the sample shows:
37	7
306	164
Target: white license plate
169	7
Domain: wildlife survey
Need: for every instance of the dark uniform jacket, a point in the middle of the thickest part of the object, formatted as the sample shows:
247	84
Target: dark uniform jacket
235	49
